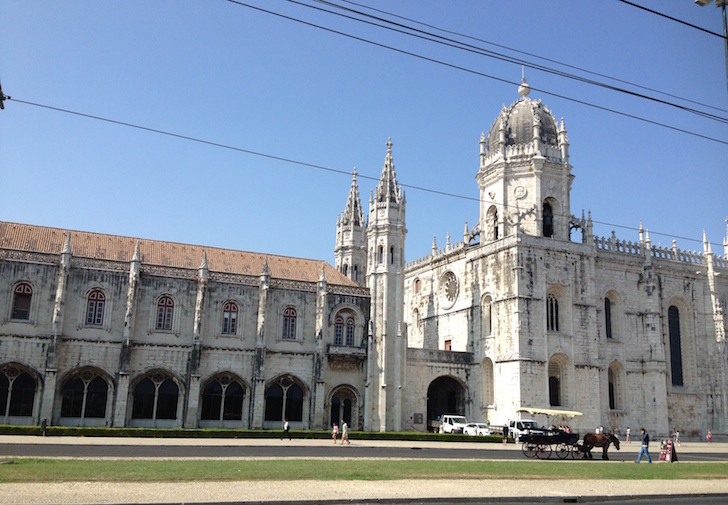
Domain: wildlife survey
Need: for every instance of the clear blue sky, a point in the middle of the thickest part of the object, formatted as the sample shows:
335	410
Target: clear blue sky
232	75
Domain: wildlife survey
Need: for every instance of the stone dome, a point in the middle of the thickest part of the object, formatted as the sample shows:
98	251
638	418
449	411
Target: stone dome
519	119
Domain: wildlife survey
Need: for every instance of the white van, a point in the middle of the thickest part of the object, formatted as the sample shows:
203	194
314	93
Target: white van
516	428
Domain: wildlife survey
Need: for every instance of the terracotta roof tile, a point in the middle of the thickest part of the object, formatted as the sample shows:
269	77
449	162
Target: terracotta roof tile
41	239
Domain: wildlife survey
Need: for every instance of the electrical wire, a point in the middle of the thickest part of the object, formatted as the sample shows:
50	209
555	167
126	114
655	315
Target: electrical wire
541	57
475	72
305	164
720	35
431	37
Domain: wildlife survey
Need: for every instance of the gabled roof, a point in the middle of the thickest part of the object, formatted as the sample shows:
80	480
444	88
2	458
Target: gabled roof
100	246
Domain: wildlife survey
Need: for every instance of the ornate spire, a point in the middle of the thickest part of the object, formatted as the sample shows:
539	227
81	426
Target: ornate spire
524	89
353	214
67	244
388	189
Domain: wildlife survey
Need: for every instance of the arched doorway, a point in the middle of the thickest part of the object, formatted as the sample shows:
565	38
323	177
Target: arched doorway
445	395
344	406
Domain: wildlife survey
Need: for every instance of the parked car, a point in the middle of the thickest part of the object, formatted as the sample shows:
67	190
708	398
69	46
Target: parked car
449	423
476	429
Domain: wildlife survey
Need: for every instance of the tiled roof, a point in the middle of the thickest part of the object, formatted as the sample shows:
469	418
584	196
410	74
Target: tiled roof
41	239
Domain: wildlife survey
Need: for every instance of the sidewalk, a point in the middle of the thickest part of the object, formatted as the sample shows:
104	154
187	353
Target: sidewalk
293	491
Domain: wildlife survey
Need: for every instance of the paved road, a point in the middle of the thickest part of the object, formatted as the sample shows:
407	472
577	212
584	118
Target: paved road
310	449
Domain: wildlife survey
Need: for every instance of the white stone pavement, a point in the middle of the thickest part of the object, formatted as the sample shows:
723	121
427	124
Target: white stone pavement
293	491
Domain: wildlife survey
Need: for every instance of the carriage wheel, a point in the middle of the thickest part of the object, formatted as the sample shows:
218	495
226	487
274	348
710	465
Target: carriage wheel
543	451
563	451
529	450
575	451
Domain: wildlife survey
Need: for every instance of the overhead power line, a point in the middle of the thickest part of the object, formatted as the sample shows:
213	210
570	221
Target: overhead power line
541	57
642	7
475	72
305	164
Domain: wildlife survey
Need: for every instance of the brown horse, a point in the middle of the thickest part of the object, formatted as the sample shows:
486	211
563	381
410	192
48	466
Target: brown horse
599	440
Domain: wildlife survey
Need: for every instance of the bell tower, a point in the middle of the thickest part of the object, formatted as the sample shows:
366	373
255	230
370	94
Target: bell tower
350	252
386	234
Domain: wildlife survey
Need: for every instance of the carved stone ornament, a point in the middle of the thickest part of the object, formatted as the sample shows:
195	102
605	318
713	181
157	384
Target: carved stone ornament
449	289
519	192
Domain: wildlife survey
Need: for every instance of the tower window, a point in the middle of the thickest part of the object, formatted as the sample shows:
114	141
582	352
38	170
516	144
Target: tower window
165	311
548	220
608	317
552	313
676	366
339	331
391	255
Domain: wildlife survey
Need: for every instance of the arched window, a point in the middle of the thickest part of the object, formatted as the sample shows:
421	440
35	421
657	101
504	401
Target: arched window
491	232
22	296
165	311
487	308
230	318
356	273
381	254
558	370
346	270
612	389
222	400
289	324
155	397
676	367
350	331
391	255
284	400
418	286
416	318
17	392
552	313
84	396
339	331
608	317
95	308
548	220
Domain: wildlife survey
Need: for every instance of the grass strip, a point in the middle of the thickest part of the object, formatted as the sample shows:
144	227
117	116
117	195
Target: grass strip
78	470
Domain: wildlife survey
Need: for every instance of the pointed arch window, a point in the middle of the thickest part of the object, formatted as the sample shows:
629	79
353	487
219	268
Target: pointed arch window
548	220
284	400
612	389
339	331
350	331
356	273
381	254
487	308
346	270
391	255
95	308
222	400
289	324
22	296
165	311
84	396
155	397
676	366
17	392
552	313
230	318
608	317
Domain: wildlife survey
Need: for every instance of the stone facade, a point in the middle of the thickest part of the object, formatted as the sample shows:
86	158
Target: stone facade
530	309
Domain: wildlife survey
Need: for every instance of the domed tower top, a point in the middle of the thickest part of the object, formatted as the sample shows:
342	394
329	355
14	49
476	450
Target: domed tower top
526	122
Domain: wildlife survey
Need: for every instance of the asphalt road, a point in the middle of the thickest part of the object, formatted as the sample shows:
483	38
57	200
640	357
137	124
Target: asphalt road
290	449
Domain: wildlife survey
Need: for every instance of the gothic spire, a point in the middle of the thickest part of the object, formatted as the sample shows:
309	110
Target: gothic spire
352	212
388	189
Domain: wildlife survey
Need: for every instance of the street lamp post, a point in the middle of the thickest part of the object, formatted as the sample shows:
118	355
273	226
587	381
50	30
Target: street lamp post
721	5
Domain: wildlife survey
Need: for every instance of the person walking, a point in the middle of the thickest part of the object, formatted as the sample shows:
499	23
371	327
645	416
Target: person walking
286	429
677	436
709	437
505	434
628	439
644	450
335	432
345	433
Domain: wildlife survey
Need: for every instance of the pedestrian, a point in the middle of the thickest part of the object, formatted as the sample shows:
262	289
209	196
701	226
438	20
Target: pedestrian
644	450
505	434
286	429
709	437
628	439
345	433
677	436
335	432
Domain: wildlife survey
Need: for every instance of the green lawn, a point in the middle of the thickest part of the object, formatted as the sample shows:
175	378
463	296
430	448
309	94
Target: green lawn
60	470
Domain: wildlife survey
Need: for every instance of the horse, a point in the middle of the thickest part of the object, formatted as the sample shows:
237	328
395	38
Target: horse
603	440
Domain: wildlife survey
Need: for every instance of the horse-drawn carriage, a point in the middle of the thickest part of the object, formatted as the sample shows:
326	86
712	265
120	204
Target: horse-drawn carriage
543	445
566	445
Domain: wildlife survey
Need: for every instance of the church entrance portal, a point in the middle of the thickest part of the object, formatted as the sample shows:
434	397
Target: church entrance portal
445	396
